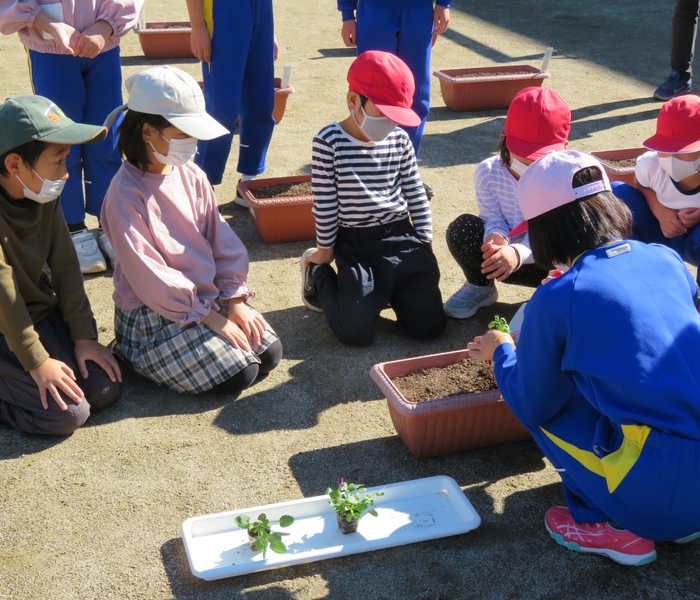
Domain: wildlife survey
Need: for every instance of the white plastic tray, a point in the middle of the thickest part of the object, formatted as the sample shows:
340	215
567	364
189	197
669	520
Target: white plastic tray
411	511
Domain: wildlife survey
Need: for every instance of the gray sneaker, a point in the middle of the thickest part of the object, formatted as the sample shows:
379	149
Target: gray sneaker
468	299
106	248
308	292
89	255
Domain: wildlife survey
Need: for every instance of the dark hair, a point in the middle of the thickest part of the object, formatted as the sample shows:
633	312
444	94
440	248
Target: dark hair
131	145
504	152
363	100
29	153
561	234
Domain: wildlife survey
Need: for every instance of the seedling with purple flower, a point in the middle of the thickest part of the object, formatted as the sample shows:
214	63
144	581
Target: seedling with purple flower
261	533
349	501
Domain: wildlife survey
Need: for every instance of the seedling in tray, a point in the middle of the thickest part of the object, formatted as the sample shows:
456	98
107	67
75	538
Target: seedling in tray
261	534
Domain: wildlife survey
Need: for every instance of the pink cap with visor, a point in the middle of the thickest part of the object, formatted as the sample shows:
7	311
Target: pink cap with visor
548	184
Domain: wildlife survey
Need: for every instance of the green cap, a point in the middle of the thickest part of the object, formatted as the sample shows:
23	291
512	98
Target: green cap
27	118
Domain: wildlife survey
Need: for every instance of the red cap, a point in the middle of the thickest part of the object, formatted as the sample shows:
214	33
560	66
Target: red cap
538	121
386	80
678	127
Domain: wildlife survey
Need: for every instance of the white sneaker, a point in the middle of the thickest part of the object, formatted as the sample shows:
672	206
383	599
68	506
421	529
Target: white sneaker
91	260
308	293
240	200
106	248
468	299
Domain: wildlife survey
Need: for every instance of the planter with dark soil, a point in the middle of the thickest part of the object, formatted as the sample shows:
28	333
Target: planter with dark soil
486	88
166	40
281	207
620	164
458	417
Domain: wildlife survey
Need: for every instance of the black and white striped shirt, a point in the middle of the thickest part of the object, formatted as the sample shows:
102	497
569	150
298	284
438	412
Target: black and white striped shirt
362	184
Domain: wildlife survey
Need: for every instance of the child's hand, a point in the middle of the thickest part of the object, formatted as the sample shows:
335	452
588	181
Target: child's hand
275	48
85	350
321	256
689	217
349	33
483	345
553	274
228	330
669	221
441	19
53	375
499	261
200	42
252	324
93	39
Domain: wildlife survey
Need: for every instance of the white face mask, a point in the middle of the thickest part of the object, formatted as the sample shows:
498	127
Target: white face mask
678	169
180	152
517	166
50	189
375	128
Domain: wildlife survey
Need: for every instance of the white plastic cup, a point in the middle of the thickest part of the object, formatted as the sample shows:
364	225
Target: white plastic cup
286	76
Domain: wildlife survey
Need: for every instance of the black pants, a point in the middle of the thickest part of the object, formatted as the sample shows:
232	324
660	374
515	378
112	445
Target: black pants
20	403
465	236
683	31
377	266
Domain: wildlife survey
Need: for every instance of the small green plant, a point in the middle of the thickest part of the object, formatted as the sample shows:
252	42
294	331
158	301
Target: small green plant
262	531
349	500
499	323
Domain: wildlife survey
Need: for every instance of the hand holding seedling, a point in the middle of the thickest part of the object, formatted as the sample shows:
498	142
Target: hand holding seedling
483	346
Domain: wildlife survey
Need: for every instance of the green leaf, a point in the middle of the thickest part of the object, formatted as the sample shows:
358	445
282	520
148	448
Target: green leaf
273	538
243	521
286	521
278	547
372	512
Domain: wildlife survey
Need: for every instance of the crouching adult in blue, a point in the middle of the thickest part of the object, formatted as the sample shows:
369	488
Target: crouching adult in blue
605	374
236	42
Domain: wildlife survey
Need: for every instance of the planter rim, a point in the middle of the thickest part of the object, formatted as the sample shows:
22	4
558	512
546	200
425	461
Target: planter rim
498	73
621	154
403	406
182	27
246	188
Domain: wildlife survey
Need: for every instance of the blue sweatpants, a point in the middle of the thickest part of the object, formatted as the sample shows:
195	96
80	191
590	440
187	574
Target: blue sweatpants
646	227
87	90
408	34
239	81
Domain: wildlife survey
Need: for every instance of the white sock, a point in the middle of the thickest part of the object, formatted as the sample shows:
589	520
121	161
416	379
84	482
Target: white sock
248	177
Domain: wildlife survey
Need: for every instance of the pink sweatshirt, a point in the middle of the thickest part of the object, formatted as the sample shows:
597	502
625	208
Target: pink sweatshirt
175	252
19	15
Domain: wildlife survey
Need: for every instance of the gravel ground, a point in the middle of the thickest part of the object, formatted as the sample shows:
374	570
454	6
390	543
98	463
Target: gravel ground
97	515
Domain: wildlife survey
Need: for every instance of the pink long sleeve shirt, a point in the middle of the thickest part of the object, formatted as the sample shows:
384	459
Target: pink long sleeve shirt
19	16
175	252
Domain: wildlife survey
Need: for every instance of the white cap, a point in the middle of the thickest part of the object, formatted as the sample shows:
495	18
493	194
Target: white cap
173	94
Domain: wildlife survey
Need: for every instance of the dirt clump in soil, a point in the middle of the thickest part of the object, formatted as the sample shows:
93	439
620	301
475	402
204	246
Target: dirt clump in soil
464	377
284	190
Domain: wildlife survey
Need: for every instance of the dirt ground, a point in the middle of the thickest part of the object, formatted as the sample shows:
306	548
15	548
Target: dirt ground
97	515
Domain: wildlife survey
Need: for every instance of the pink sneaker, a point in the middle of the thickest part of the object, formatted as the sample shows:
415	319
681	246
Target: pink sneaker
620	545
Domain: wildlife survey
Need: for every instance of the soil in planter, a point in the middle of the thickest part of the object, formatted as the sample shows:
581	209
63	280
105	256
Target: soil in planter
284	190
620	164
468	76
464	377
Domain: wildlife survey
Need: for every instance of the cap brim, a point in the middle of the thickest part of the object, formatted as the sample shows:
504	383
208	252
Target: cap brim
399	115
666	145
530	150
76	133
200	127
518	230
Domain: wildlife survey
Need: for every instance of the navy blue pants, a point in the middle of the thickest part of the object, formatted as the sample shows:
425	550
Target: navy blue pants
239	81
408	34
377	266
646	227
87	90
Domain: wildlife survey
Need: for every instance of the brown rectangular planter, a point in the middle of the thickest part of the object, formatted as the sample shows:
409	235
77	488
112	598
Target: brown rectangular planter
615	172
169	39
446	425
285	219
493	87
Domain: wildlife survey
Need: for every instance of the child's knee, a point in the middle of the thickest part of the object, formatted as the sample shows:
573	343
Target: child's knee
357	336
429	326
270	358
99	389
61	422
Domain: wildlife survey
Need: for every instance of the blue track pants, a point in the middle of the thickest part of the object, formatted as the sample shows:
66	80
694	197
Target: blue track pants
87	90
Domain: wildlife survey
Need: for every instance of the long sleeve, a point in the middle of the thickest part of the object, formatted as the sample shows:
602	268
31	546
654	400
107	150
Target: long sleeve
414	192
17	14
120	14
324	186
347	9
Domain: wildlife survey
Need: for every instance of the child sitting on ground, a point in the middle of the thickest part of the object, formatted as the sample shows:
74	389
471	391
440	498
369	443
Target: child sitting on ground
666	200
372	214
52	369
538	121
181	315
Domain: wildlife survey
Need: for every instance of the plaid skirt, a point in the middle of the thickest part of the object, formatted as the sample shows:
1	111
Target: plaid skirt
190	359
